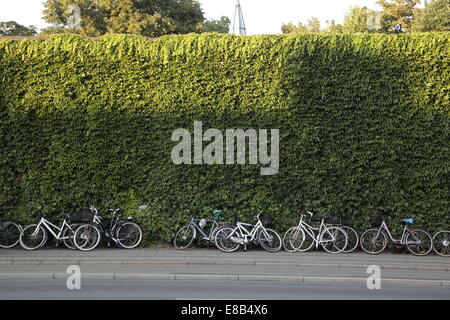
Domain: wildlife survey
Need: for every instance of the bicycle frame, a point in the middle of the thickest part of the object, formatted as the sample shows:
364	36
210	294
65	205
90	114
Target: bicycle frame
50	226
110	231
249	235
207	237
310	230
402	240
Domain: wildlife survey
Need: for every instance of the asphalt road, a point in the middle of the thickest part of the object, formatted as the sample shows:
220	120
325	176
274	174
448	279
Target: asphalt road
200	290
210	274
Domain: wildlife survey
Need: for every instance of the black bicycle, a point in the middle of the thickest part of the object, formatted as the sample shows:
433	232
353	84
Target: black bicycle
125	234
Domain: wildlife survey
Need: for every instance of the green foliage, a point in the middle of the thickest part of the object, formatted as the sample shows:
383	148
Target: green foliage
434	17
311	26
150	18
12	28
356	20
398	12
220	26
332	27
364	122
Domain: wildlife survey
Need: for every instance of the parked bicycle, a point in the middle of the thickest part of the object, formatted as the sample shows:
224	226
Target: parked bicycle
418	241
304	236
125	234
345	224
230	239
9	233
441	242
35	236
186	235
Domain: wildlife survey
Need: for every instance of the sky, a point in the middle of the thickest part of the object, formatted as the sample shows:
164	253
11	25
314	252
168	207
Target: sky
261	16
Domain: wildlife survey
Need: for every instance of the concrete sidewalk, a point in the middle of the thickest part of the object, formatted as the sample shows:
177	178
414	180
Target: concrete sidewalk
211	264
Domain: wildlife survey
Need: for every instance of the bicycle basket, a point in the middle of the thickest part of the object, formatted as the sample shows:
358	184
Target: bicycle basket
267	221
376	220
335	220
217	214
82	216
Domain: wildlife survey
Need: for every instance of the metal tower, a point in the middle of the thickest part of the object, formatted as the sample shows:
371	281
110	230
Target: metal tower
238	21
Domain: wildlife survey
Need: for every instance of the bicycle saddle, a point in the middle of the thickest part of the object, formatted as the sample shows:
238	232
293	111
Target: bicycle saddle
409	220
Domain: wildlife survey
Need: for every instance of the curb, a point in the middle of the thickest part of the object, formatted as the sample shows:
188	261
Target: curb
225	277
221	262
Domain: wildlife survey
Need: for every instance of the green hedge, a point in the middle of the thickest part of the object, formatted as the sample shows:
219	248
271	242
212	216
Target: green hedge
364	122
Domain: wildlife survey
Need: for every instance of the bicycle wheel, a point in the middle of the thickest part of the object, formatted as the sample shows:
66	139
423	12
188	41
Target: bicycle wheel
128	235
10	235
373	241
224	242
333	240
68	236
441	243
308	242
86	237
352	239
184	237
419	242
293	239
270	240
32	237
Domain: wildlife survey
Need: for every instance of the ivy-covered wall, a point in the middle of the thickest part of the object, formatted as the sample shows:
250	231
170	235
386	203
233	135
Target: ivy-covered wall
364	122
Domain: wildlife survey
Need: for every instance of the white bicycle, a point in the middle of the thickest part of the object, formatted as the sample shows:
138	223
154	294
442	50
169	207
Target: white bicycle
35	236
230	239
303	237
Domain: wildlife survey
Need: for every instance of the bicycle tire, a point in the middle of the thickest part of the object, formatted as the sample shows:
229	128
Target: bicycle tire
10	235
122	236
308	242
68	239
369	240
340	239
222	241
293	239
186	233
352	239
425	244
441	243
30	242
87	237
273	243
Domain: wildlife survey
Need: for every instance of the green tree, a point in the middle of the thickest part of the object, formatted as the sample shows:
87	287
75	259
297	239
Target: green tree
434	17
312	25
398	12
220	26
332	27
356	20
146	17
291	28
12	28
